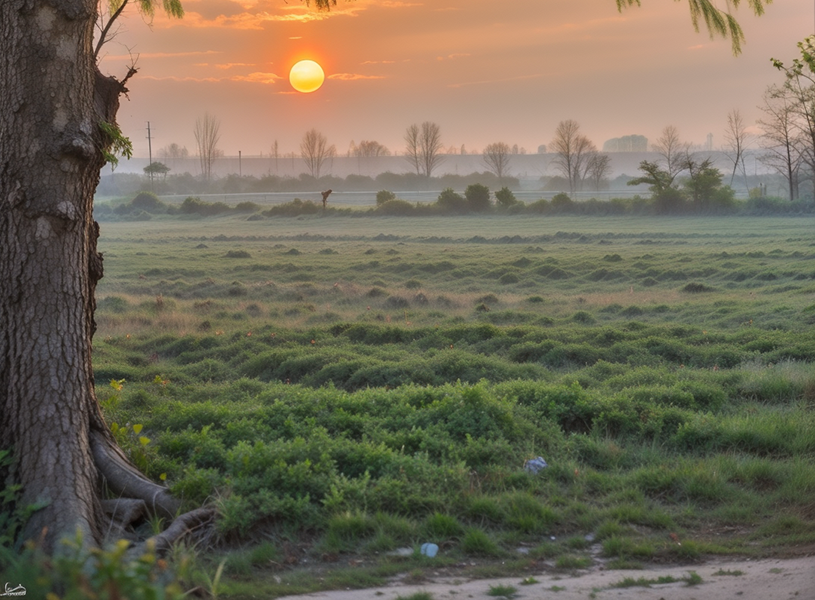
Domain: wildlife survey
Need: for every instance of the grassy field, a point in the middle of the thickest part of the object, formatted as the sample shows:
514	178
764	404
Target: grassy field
343	387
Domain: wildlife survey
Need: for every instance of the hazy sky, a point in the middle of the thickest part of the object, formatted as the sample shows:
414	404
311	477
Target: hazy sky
484	70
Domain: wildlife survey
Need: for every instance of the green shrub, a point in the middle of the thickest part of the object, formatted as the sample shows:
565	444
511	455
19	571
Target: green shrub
562	203
148	202
450	201
384	196
396	208
478	197
505	198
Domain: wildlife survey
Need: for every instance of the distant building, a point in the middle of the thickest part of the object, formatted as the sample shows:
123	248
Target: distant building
627	143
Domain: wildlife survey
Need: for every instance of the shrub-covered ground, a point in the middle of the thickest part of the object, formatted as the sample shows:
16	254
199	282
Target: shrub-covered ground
343	389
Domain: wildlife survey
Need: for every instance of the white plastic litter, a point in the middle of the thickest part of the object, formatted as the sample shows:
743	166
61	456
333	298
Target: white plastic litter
535	465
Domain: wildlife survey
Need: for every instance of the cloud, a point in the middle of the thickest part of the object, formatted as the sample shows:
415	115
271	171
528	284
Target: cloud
157	55
377	62
256	20
453	56
353	76
256	13
231	65
183	79
257	78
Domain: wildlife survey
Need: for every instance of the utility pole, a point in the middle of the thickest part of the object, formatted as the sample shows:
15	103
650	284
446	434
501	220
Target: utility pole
150	154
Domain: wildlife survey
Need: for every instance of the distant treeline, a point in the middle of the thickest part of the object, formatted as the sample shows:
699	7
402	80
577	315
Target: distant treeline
127	184
476	200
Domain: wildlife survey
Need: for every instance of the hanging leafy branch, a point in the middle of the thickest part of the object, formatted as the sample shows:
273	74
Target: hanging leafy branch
173	8
717	21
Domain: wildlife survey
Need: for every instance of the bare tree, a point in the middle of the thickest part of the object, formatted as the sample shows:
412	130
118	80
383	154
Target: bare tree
315	151
779	137
496	157
173	151
431	147
573	152
673	150
799	87
371	148
423	147
735	137
413	148
598	168
207	134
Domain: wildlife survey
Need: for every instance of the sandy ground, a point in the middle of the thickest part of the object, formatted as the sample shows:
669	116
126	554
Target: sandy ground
773	579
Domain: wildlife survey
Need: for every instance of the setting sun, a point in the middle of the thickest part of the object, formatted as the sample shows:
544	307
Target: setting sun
306	76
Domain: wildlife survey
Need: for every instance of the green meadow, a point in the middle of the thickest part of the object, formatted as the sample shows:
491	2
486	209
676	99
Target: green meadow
343	387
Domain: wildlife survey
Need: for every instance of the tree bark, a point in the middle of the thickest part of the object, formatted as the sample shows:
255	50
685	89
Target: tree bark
52	100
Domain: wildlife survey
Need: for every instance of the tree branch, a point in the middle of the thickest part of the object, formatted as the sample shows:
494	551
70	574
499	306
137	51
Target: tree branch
104	34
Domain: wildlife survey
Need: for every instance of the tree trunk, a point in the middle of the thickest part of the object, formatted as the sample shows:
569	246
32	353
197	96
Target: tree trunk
52	100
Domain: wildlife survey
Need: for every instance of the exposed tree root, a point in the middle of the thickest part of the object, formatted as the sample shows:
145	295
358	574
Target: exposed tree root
196	523
139	497
124	511
124	480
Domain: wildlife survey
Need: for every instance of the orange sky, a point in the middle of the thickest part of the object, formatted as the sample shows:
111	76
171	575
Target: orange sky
484	70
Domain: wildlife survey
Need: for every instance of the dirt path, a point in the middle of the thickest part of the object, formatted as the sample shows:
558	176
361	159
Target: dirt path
769	579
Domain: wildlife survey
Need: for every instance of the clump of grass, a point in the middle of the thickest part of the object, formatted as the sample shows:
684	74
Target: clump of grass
629	582
692	578
417	596
569	561
442	527
478	543
623	547
487	299
736	573
502	591
376	292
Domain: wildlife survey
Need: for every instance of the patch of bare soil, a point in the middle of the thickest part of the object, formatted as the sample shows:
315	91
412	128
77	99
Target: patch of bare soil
721	579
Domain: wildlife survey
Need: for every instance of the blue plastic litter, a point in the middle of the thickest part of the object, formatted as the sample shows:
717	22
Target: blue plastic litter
535	465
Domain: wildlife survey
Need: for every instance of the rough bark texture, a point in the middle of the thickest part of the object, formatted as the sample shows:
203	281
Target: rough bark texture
52	99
